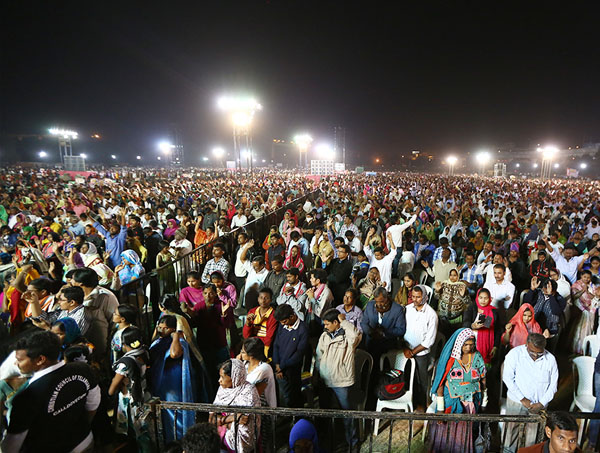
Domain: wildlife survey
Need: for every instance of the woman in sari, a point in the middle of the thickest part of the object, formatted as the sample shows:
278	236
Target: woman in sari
172	376
459	387
482	318
170	230
520	326
453	301
237	431
583	294
91	259
294	259
130	269
477	241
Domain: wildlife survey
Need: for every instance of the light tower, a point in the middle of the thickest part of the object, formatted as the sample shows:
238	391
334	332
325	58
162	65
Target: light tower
65	149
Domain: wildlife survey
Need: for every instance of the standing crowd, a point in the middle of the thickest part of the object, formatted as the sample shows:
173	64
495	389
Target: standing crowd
465	282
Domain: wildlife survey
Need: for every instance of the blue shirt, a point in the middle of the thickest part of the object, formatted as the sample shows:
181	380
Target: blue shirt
114	244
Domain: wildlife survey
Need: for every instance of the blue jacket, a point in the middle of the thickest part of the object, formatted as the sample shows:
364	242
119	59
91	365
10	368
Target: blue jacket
289	346
394	321
114	244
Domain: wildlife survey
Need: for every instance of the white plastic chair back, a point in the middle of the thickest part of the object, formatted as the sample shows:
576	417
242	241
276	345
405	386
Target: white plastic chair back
585	376
591	345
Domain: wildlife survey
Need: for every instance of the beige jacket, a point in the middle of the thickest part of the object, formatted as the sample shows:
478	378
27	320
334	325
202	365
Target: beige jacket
335	356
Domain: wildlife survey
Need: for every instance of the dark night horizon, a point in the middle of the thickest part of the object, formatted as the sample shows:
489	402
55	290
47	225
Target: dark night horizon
438	79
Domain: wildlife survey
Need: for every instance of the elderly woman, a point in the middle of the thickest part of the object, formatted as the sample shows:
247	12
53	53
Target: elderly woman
459	387
237	431
453	299
92	259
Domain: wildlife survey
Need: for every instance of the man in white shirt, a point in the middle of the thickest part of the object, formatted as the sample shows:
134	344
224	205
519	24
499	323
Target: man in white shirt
239	219
501	290
531	377
421	329
382	262
568	263
293	293
396	231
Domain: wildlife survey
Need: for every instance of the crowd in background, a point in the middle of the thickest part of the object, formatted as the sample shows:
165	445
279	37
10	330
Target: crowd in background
459	275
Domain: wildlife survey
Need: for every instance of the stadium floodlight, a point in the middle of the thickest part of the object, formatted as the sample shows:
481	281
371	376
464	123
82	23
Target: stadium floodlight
42	154
204	158
218	152
63	132
165	147
549	154
583	165
241	119
138	157
325	151
556	165
451	163
482	158
535	165
83	155
303	142
113	156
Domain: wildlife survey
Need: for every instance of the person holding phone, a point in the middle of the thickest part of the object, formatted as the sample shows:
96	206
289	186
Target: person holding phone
483	319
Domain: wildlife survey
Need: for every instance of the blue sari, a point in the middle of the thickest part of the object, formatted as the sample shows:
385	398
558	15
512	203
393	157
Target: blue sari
172	380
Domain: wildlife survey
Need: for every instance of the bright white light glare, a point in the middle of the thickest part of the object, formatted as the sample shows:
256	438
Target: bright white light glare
63	133
263	161
549	152
303	141
43	153
205	158
583	166
165	147
158	157
83	155
138	157
518	165
241	119
245	154
451	160
535	165
325	151
556	165
112	156
232	103
483	157
218	152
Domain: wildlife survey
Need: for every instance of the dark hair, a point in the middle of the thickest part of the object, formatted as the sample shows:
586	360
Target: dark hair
243	233
561	420
354	293
537	340
277	258
347	248
259	259
255	348
417	289
266	290
320	274
362	253
587	272
128	312
378	250
380	291
74	293
201	438
411	276
219	245
283	311
168	320
171	303
195	275
42	284
444	240
130	336
163	244
44	343
331	315
77	353
226	367
86	276
500	266
293	271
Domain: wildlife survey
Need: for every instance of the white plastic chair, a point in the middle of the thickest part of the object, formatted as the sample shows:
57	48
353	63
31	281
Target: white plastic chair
583	394
591	345
397	361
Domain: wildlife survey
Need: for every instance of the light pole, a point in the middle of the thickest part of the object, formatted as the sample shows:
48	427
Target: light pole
242	112
166	147
64	143
451	163
303	142
482	157
548	155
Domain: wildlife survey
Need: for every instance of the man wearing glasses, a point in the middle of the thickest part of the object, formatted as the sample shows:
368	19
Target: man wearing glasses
531	376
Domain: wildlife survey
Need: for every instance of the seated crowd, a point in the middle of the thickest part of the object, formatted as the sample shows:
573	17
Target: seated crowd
471	281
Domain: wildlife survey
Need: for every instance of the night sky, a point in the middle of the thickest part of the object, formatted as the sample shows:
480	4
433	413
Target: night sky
439	78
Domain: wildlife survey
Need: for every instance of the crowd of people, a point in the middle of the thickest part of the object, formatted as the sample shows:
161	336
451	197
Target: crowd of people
467	278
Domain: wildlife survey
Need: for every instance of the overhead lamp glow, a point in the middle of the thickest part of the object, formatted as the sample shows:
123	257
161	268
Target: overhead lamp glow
63	132
138	157
517	165
112	156
535	165
204	158
83	155
42	154
233	103
165	147
303	141
483	157
549	152
218	152
556	165
451	160
583	165
325	151
241	119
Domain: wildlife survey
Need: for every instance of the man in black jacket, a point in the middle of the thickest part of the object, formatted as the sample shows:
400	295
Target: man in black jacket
339	272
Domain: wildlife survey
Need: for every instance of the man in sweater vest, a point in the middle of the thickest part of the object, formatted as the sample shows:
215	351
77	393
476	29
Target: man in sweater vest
289	348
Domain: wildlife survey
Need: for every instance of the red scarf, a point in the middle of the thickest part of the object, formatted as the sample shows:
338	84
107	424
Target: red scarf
485	336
